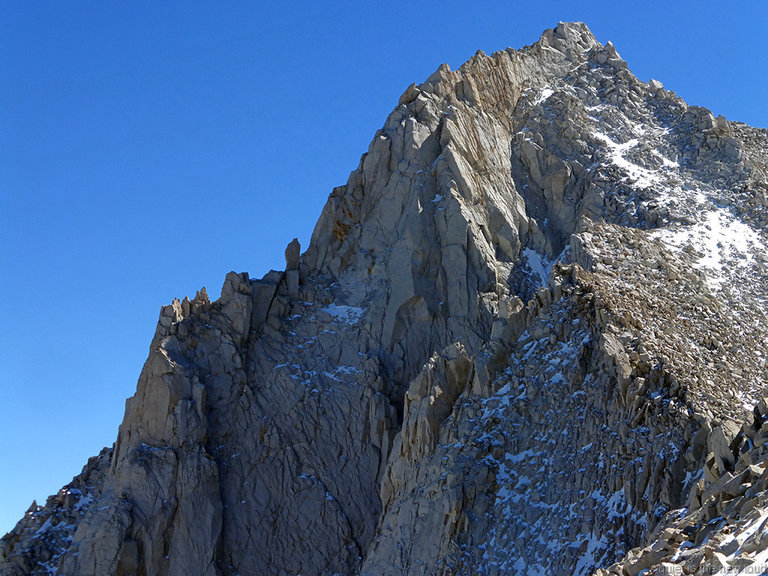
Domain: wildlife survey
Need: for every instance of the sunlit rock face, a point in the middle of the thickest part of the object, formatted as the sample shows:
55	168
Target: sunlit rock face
527	337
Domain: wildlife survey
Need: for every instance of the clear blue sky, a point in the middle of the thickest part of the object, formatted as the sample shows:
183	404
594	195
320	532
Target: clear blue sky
147	148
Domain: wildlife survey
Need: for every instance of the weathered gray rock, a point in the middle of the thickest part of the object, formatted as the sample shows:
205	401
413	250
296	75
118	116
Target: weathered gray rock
719	443
263	292
292	255
509	348
292	282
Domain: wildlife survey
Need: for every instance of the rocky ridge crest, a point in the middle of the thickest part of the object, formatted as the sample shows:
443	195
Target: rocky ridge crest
523	339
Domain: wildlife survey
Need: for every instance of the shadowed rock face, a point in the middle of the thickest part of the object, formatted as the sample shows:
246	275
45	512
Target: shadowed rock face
523	339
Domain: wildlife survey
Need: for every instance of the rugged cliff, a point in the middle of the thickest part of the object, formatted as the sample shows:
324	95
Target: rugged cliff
527	337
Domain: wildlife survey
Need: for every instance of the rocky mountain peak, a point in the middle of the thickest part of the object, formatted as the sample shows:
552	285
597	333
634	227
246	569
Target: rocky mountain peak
526	337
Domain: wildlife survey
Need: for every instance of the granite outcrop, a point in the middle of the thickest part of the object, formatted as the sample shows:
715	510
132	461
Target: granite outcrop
528	336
